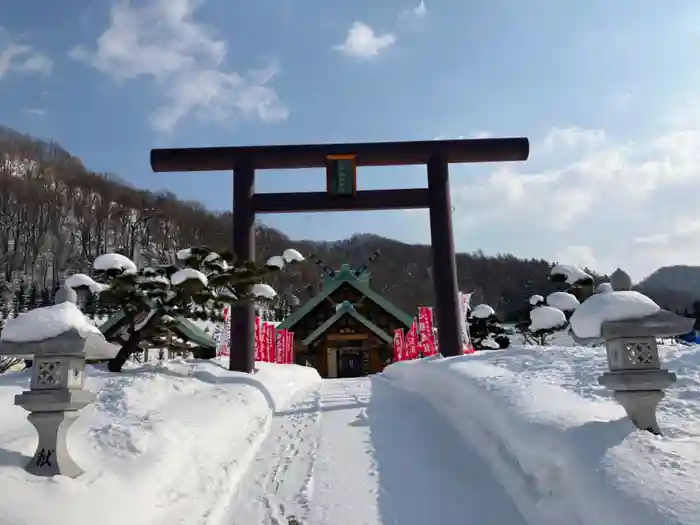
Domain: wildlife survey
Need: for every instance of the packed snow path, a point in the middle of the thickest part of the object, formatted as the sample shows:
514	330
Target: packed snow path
361	452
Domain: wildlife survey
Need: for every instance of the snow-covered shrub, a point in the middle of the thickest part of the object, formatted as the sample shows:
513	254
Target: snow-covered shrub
578	282
485	329
544	321
199	286
545	317
563	301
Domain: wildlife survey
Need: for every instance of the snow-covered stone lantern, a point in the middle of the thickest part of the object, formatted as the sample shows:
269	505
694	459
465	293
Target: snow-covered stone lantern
629	323
59	339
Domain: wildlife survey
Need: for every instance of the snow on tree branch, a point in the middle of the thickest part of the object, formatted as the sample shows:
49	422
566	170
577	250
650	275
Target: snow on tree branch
81	281
114	262
564	301
536	300
264	290
546	319
570	274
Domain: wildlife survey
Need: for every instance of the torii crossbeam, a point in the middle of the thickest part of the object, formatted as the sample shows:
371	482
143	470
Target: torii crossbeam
341	162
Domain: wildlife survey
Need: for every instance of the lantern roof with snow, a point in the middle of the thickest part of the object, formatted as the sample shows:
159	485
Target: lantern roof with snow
625	313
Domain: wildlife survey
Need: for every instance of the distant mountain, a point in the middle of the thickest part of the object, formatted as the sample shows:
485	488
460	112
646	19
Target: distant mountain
674	278
673	287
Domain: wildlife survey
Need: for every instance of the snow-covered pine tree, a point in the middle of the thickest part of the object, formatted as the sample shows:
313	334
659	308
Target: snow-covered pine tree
523	324
485	329
199	286
45	299
20	300
33	296
578	282
544	320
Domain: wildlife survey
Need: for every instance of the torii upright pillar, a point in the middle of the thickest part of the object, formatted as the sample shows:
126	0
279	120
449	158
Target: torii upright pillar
242	339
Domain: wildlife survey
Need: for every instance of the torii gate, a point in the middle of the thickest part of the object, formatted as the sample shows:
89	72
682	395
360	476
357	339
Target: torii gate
341	162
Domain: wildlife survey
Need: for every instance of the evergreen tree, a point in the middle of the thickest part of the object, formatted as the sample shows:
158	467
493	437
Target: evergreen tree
46	297
33	297
5	312
485	329
199	286
577	281
544	320
20	300
90	305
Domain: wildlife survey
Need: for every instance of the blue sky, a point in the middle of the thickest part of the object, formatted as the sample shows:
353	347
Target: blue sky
606	91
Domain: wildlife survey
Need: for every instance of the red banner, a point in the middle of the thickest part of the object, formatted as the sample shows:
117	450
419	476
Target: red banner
398	345
281	346
426	334
410	344
289	346
258	345
263	341
270	343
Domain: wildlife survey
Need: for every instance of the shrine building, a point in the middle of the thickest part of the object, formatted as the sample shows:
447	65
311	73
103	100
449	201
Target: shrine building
347	329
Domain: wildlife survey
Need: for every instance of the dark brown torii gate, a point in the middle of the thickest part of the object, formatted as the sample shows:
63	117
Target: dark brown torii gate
341	161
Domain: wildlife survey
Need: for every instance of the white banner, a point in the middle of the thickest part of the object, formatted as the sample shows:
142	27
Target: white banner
464	300
222	333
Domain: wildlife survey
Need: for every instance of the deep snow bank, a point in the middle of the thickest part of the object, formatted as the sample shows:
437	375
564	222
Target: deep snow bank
161	445
559	445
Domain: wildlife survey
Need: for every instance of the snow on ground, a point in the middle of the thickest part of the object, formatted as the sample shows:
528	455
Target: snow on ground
361	452
559	444
162	445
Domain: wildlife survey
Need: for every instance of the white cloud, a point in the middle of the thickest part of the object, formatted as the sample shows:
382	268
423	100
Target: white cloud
162	41
580	255
573	137
363	42
36	112
417	12
611	203
674	243
23	59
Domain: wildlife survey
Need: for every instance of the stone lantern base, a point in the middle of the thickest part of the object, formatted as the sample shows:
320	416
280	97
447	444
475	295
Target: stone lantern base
53	412
52	457
639	392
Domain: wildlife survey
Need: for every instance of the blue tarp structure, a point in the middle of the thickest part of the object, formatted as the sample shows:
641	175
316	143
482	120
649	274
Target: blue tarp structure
690	337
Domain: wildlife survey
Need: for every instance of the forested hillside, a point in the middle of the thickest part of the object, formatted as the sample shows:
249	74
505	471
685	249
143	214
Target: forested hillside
56	216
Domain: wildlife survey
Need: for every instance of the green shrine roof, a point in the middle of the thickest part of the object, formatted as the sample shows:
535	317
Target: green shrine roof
182	327
360	283
346	308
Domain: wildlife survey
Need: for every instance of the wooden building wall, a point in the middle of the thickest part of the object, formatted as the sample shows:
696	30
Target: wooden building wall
378	350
